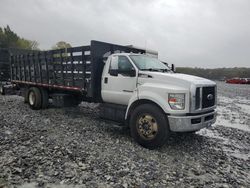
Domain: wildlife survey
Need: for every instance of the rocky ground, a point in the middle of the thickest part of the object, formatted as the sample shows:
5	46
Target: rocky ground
72	147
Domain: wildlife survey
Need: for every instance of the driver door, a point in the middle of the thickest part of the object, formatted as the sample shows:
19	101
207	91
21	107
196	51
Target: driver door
117	85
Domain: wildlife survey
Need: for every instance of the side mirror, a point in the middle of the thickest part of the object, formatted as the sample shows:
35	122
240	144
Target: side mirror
173	68
113	72
132	73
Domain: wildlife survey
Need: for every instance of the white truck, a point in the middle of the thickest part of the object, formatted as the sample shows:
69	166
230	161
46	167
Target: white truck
133	88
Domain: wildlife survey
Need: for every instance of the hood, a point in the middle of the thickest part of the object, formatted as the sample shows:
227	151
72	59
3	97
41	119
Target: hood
177	79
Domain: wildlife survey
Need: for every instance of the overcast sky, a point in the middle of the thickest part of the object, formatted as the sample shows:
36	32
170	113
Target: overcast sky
194	33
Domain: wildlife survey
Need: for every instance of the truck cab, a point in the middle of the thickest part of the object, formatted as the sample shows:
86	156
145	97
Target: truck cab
182	103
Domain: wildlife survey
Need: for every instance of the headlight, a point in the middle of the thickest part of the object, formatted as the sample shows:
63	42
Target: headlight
176	101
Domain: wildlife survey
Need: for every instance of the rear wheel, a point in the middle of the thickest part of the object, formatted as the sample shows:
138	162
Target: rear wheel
149	126
75	101
45	98
26	95
34	98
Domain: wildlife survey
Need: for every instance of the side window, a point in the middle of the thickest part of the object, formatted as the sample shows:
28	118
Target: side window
120	65
114	63
124	64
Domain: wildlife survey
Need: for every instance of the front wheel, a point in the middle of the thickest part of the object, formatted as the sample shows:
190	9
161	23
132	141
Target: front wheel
149	126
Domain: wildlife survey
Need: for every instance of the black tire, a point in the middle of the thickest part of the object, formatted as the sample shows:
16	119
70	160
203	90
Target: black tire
189	133
158	117
75	101
2	90
34	98
26	95
45	98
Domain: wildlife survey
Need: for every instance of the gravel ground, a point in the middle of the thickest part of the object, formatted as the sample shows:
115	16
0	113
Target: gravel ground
72	147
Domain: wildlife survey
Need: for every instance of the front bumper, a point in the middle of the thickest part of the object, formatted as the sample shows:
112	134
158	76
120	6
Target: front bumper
191	123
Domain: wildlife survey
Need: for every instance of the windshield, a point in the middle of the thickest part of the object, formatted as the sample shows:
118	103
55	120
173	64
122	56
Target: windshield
148	63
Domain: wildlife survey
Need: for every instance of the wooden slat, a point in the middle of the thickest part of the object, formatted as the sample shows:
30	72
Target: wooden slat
15	62
84	59
62	68
79	49
37	56
25	76
72	68
20	68
26	58
51	62
11	69
32	59
68	58
46	66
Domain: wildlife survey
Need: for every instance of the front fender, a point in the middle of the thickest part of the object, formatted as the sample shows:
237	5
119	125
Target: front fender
131	101
158	94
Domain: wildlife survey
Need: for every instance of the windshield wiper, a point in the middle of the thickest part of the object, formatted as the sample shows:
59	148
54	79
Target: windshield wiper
151	69
165	70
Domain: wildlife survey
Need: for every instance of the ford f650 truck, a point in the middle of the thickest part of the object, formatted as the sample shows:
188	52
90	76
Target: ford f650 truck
132	87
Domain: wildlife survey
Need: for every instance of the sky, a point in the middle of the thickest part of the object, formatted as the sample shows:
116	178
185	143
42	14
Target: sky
187	33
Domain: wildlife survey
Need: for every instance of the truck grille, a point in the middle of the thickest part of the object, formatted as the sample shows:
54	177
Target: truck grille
204	97
208	97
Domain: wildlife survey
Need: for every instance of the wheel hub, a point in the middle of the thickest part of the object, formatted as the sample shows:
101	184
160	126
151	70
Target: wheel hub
147	126
32	98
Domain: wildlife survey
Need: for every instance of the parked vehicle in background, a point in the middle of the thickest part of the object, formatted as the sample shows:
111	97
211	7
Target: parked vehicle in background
238	81
132	87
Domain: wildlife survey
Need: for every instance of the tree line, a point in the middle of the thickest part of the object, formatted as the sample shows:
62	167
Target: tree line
9	39
216	74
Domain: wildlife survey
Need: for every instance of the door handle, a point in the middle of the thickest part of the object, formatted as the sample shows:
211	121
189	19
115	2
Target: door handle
105	80
128	91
